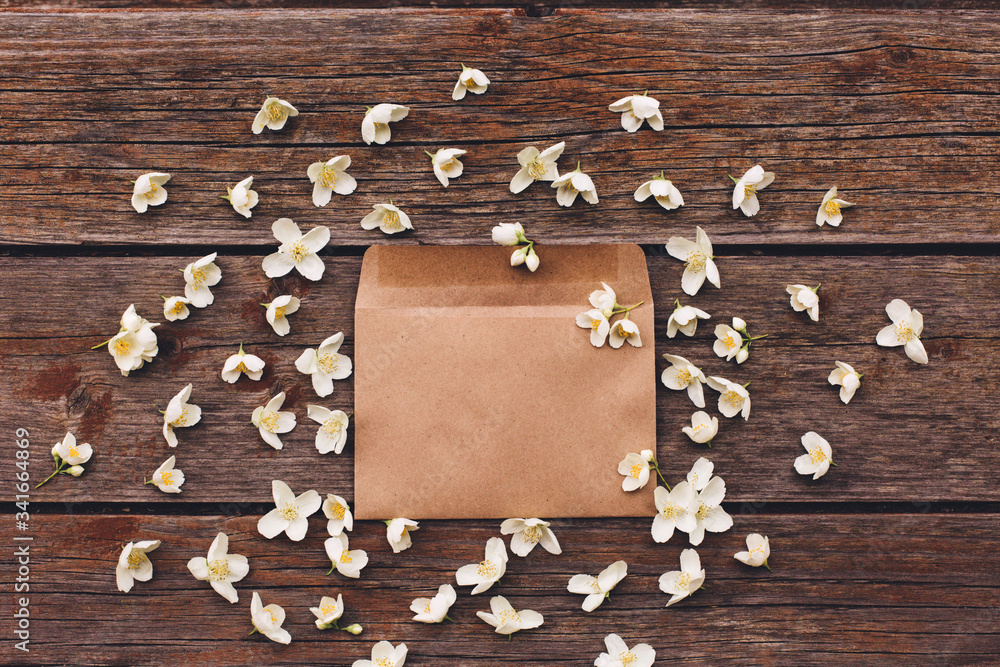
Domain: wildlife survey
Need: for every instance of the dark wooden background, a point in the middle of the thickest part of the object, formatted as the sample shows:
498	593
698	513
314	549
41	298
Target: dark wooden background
892	557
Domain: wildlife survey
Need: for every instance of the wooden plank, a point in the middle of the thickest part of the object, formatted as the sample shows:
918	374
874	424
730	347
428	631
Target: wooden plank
912	433
844	588
898	113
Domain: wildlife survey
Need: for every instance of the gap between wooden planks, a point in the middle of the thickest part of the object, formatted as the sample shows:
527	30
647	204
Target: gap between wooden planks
912	433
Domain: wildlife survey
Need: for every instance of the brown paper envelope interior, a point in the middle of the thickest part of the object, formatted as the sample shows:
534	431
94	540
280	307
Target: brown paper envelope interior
478	396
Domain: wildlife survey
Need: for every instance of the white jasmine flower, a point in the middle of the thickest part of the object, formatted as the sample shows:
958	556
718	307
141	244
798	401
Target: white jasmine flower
906	327
709	515
435	609
819	457
682	374
135	342
667	196
536	166
384	655
703	428
332	435
594	320
636	468
297	250
290	514
387	217
529	532
148	191
180	414
829	209
674	509
329	177
277	312
624	330
700	474
346	561
274	113
575	182
758	551
697	257
270	420
728	343
620	655
489	571
242	197
745	190
134	565
685	319
339	514
241	362
446	164
733	399
267	620
637	108
328	612
68	456
472	80
597	588
604	300
175	308
506	620
397	531
805	298
848	379
375	126
221	568
167	478
507	233
325	364
683	583
198	277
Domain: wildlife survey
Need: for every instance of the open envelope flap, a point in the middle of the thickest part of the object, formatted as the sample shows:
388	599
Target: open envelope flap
478	396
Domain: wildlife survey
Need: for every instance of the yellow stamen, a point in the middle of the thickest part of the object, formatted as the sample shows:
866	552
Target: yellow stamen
695	261
816	455
636	470
289	512
135	560
167	477
683	580
508	615
218	569
487	569
328	177
327	362
904	332
122	347
298	251
275	112
279	312
332	427
391	220
749	190
537	169
338	511
832	207
532	534
74	452
733	399
345	557
328	609
270	421
627	658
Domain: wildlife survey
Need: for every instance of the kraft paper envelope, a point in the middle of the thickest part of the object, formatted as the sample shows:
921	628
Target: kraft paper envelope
478	396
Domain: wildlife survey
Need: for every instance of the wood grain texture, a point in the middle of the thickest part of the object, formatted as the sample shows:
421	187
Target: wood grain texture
912	433
897	110
844	588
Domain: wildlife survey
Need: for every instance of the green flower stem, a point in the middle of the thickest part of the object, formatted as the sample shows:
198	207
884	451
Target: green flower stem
655	466
330	571
59	469
102	344
767	566
253	631
747	384
732	179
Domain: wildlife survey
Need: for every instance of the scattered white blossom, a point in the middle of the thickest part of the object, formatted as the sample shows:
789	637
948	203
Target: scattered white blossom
339	514
135	342
746	188
819	457
267	620
758	551
290	514
277	312
907	325
529	532
666	194
384	655
148	191
274	113
674	510
708	513
167	478
435	609
506	620
329	177
328	612
848	379
68	456
241	362
536	166
220	569
397	532
575	182
297	250
598	588
446	164
733	398
728	341
176	308
638	108
697	257
375	126
598	324
805	298
199	276
620	655
703	428
242	197
270	420
180	414
134	565
624	330
636	469
687	580
325	364
486	573
387	217
682	374
332	434
343	559
829	209
472	80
